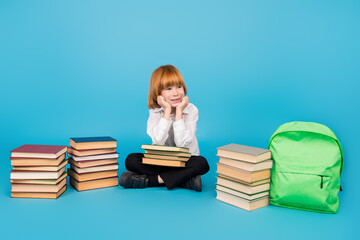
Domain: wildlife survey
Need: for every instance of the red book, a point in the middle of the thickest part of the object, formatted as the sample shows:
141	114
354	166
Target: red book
38	151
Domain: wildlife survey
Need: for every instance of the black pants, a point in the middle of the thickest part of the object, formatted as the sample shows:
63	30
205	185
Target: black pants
172	176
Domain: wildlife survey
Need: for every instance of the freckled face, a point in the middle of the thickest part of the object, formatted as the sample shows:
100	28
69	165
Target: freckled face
173	95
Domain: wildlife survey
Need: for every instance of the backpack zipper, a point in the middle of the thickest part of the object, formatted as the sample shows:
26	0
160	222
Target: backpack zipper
321	185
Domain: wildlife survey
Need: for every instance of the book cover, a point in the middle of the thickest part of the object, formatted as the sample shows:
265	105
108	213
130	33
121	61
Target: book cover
81	177
94	157
240	202
94	184
37	194
95	169
164	148
38	151
241	174
170	163
93	139
244	153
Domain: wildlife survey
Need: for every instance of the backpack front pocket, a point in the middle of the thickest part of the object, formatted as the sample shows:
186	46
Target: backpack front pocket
301	190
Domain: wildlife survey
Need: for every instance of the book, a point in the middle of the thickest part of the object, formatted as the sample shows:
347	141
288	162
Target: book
40	181
267	164
168	153
167	163
39	151
91	176
244	153
36	175
95	169
94	184
94	157
242	187
87	143
82	153
18	187
166	157
164	148
92	163
241	194
41	168
241	174
37	194
252	184
21	161
240	202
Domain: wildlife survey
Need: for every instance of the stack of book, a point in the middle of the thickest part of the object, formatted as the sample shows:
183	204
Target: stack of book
165	155
93	162
244	176
38	171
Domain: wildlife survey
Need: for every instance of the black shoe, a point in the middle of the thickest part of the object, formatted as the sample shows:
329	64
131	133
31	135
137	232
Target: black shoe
133	180
193	183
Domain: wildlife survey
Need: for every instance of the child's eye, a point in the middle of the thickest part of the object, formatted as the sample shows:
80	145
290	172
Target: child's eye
179	86
169	88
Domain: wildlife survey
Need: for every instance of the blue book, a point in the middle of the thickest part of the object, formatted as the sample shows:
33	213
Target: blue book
86	143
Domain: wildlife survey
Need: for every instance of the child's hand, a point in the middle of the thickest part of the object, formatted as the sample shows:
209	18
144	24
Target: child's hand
183	104
165	105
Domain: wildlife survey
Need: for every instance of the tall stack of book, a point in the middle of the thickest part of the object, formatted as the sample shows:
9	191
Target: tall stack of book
93	162
244	176
165	155
38	171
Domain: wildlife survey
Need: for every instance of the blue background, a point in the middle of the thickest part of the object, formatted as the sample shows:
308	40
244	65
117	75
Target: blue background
82	68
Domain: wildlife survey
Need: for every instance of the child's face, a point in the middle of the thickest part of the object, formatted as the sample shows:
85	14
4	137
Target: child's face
173	95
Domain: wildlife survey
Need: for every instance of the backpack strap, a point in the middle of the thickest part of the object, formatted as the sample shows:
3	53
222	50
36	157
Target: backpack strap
308	127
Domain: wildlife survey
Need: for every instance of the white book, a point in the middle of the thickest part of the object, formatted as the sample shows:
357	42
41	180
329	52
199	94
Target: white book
242	187
242	195
240	202
95	169
94	157
36	175
251	167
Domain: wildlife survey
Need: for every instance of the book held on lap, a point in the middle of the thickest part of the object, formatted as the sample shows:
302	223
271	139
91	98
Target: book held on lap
164	148
161	162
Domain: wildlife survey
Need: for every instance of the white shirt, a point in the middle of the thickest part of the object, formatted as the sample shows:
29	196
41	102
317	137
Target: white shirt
181	133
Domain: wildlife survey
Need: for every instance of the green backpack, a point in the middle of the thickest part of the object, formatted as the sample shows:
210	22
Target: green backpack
307	167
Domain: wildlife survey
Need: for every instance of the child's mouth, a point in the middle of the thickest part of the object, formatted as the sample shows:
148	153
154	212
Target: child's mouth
176	100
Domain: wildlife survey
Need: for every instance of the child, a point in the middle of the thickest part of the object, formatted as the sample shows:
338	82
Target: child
172	122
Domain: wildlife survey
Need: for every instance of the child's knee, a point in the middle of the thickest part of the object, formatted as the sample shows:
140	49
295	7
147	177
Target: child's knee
201	165
132	161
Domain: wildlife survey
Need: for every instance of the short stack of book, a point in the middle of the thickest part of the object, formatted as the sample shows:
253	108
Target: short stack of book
93	162
165	155
244	176
38	171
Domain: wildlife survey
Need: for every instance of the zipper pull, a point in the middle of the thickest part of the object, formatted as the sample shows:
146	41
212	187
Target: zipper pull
321	185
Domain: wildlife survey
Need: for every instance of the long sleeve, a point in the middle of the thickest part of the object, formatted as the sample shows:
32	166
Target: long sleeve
185	129
158	127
